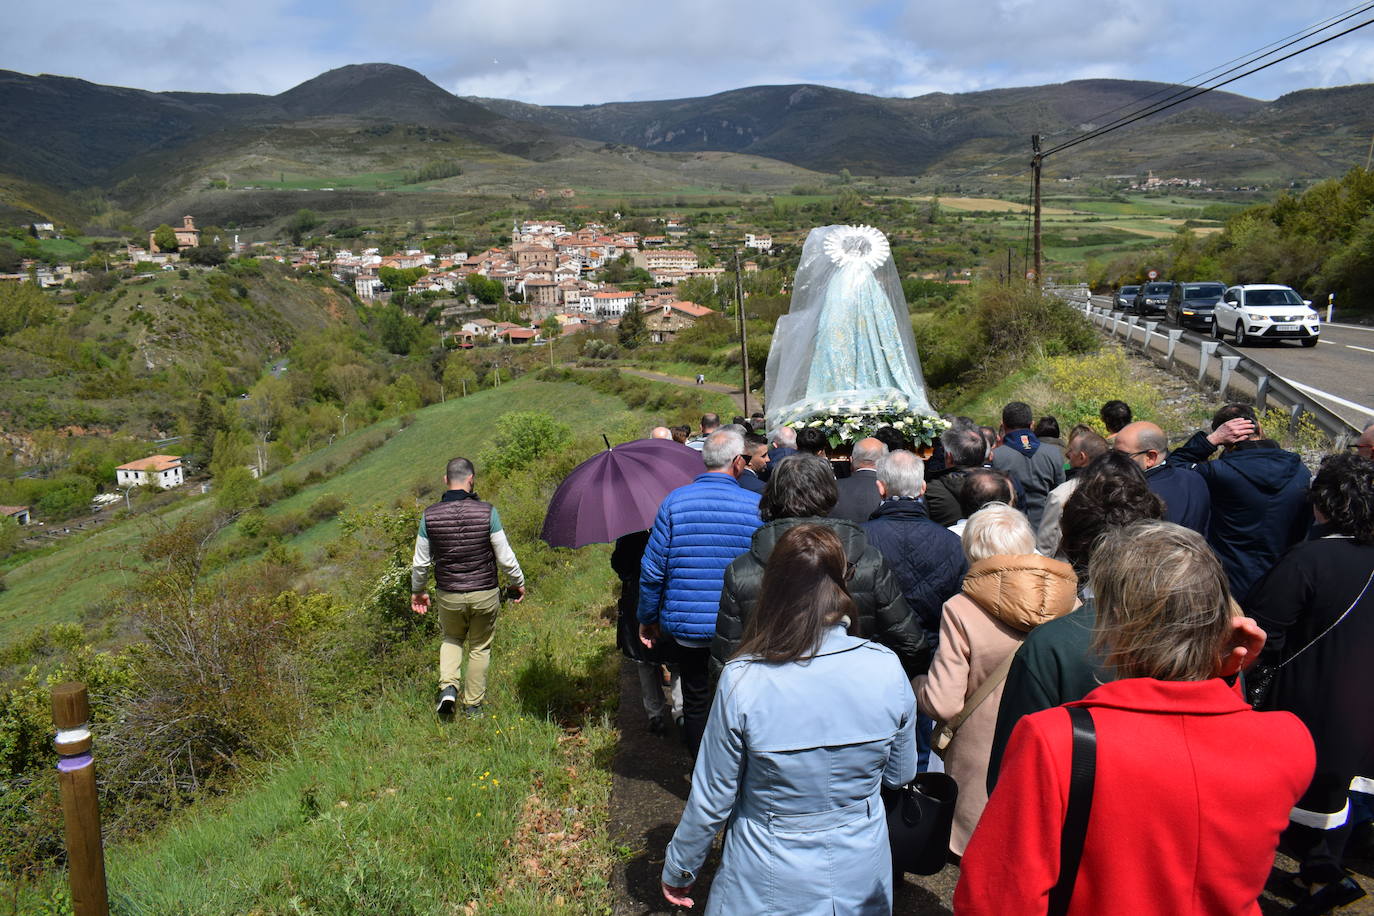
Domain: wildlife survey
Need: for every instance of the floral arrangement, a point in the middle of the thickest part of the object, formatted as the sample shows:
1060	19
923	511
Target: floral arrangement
848	428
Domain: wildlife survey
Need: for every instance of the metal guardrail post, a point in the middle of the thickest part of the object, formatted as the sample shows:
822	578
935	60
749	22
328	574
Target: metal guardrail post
1116	324
1174	338
1149	332
1294	417
1228	365
1262	393
1130	328
1205	352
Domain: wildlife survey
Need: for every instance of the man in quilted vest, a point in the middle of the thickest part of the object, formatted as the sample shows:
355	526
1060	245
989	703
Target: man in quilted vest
699	529
461	537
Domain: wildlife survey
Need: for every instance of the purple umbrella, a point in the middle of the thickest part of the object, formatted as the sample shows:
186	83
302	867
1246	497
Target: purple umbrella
618	491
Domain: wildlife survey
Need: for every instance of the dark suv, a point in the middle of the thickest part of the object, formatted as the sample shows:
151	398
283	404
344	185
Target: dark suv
1191	304
1152	297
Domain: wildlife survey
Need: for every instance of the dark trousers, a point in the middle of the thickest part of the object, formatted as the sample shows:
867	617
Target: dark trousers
694	676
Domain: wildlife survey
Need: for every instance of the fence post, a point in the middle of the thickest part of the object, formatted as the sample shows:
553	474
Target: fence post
1130	328
1228	364
71	713
1261	394
1205	351
1149	332
1294	416
1174	337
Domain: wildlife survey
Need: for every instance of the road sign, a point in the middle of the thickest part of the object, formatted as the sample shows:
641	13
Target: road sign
1153	275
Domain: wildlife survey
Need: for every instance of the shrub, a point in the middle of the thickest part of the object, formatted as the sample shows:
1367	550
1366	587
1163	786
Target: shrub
523	438
327	506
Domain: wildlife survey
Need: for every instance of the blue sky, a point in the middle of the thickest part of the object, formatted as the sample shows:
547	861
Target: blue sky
556	52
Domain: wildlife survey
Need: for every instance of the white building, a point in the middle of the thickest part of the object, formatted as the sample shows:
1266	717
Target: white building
758	242
156	470
606	304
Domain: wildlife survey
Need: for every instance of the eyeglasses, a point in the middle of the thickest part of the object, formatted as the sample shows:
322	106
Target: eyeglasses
1362	446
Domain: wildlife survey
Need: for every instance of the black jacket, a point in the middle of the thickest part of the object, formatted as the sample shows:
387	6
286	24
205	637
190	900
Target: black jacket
858	496
926	557
1259	504
883	615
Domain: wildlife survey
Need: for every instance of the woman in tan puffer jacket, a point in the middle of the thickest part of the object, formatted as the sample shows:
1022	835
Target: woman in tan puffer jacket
1009	590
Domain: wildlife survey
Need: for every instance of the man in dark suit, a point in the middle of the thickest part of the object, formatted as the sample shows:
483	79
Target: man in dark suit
859	491
756	452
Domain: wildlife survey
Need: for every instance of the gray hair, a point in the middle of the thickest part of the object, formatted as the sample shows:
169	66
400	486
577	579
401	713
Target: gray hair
902	473
1163	602
735	427
785	437
1150	440
722	447
997	530
964	447
867	454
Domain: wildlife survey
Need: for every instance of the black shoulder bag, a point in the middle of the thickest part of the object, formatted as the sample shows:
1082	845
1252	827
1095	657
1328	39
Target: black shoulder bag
1075	830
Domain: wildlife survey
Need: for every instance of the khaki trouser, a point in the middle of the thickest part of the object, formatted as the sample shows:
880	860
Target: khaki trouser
467	620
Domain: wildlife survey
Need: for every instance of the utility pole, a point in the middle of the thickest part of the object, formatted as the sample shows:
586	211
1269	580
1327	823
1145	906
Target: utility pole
1036	161
743	345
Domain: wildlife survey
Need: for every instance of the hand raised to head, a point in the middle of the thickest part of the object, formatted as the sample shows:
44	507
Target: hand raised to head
1241	647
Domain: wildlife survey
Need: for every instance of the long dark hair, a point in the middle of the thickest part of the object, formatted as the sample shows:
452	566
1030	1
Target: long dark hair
803	592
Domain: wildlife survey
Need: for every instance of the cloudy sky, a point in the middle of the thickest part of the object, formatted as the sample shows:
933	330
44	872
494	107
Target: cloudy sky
556	52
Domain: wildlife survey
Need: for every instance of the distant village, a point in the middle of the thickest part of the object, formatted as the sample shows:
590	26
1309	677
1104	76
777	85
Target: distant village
552	270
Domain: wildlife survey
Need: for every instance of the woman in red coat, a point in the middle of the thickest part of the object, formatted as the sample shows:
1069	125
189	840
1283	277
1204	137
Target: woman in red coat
1192	786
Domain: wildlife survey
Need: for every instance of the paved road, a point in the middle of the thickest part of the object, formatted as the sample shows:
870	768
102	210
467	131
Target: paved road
1339	372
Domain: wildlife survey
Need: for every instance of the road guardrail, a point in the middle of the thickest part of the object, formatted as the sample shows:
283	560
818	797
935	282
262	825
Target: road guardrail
1214	366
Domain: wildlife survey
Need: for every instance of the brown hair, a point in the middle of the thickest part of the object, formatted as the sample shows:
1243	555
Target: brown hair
799	486
803	592
1163	604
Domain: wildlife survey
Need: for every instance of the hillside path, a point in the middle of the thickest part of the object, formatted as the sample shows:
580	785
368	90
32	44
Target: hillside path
736	394
648	790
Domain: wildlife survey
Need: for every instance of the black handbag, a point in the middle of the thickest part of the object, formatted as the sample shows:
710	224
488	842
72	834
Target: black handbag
920	816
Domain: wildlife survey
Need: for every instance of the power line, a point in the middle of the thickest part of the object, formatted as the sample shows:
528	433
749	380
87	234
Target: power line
1164	106
1248	57
1179	89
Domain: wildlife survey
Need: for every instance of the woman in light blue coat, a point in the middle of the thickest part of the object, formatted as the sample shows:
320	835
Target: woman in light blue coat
807	723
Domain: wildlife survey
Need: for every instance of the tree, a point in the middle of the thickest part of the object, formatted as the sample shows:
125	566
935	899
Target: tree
23	305
298	225
165	238
397	331
550	328
206	255
459	376
632	327
400	278
487	291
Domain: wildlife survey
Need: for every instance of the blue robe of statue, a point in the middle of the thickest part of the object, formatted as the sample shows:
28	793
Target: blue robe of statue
859	345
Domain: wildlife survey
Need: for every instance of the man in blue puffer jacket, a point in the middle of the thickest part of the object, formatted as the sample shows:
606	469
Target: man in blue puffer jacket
699	529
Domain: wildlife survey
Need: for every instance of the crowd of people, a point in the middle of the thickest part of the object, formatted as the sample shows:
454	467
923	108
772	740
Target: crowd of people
822	630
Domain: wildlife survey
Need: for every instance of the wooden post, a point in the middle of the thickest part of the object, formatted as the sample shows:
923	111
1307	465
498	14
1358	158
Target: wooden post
71	713
1035	171
743	344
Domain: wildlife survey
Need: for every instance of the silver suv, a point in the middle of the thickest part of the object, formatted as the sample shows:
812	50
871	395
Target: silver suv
1256	311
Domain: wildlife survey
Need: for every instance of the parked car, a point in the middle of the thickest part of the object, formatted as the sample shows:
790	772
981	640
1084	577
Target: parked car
1266	311
1124	297
1191	304
1152	297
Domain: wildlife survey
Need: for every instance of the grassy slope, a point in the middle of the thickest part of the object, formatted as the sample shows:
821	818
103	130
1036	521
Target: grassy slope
385	810
62	586
382	810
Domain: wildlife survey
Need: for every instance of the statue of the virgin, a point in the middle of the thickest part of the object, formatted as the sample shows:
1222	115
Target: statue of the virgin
845	346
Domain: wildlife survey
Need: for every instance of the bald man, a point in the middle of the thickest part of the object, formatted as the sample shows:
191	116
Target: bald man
859	495
1186	499
661	432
